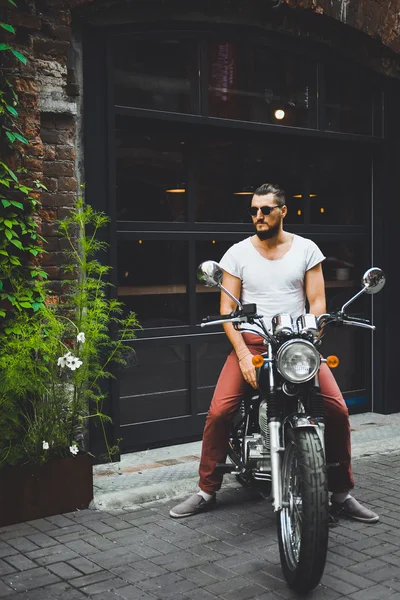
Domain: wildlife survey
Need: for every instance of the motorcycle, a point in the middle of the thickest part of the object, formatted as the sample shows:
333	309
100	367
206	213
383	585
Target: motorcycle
277	435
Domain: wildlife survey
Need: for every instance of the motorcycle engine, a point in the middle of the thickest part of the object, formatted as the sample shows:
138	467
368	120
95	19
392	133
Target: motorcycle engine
258	456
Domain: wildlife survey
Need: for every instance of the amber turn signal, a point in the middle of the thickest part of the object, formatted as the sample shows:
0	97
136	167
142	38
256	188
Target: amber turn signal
257	360
332	361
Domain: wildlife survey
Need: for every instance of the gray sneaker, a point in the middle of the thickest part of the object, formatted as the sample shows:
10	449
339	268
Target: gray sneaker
193	505
352	509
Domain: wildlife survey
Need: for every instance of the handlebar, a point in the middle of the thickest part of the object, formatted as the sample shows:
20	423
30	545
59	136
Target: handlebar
359	324
340	318
337	318
357	320
217	318
247	313
222	319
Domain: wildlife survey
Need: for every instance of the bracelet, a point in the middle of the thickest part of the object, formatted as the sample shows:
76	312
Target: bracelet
249	354
241	352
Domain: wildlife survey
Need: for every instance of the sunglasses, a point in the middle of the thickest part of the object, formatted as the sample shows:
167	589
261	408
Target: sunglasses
253	210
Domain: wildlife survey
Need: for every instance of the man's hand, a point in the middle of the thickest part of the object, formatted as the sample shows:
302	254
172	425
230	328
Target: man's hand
248	370
234	285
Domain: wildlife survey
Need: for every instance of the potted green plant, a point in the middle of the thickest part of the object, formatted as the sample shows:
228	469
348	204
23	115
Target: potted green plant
54	364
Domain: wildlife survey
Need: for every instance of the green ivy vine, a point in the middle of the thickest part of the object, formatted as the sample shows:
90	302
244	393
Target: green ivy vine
20	242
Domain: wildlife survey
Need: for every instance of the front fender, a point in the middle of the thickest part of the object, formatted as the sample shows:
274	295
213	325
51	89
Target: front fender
297	420
302	421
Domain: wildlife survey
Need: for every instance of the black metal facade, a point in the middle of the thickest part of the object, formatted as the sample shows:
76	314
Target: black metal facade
143	412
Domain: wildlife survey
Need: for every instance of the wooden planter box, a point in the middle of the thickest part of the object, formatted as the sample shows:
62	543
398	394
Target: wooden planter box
59	486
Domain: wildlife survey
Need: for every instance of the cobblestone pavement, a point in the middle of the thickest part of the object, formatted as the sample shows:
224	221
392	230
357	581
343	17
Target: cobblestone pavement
230	553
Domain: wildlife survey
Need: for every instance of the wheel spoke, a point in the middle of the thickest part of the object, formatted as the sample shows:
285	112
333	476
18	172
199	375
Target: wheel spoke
296	505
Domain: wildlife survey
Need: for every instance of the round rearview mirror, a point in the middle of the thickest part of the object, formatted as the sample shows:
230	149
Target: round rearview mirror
373	280
210	273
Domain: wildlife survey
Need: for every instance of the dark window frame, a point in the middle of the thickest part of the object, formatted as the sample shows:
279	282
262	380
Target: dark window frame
299	47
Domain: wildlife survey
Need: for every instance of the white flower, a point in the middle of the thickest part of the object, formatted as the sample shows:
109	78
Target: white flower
45	445
73	362
74	449
70	361
81	337
62	361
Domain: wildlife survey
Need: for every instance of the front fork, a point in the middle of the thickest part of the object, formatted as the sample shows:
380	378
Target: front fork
275	434
277	451
275	431
276	463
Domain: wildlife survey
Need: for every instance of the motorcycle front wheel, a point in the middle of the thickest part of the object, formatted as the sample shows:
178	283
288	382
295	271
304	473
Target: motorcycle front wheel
303	522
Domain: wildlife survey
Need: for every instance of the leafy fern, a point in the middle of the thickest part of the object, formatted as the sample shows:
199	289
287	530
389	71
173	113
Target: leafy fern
40	400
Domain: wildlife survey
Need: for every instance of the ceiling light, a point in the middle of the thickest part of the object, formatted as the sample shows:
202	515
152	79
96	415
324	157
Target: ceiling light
279	114
180	188
246	190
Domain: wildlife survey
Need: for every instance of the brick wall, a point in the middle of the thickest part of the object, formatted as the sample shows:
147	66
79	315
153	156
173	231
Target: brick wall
58	166
380	19
58	132
47	114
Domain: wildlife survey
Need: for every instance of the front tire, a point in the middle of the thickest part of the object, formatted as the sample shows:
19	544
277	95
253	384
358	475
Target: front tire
303	522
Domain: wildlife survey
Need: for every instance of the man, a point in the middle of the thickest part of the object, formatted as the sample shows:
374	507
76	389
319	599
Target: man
278	271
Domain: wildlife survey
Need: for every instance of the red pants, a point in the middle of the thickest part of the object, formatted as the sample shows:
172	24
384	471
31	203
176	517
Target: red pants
228	393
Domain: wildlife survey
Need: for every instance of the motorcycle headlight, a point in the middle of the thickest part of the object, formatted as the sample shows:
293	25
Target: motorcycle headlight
298	361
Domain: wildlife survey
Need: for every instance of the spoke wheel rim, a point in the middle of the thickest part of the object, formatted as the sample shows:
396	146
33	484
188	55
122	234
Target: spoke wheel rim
292	514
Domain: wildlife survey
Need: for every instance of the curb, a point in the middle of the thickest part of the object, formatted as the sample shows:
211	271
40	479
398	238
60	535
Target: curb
131	499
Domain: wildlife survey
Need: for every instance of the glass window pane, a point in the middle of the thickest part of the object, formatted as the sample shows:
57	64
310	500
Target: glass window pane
150	391
339	186
214	173
349	102
208	299
343	268
258	83
227	172
349	345
152	281
155	74
150	175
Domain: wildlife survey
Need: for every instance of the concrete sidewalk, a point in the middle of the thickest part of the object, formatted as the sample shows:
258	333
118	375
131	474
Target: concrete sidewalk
172	472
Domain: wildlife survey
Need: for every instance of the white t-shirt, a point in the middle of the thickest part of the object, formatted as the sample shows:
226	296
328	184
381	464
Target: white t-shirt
275	286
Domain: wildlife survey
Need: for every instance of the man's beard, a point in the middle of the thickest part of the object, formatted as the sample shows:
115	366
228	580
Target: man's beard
267	234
